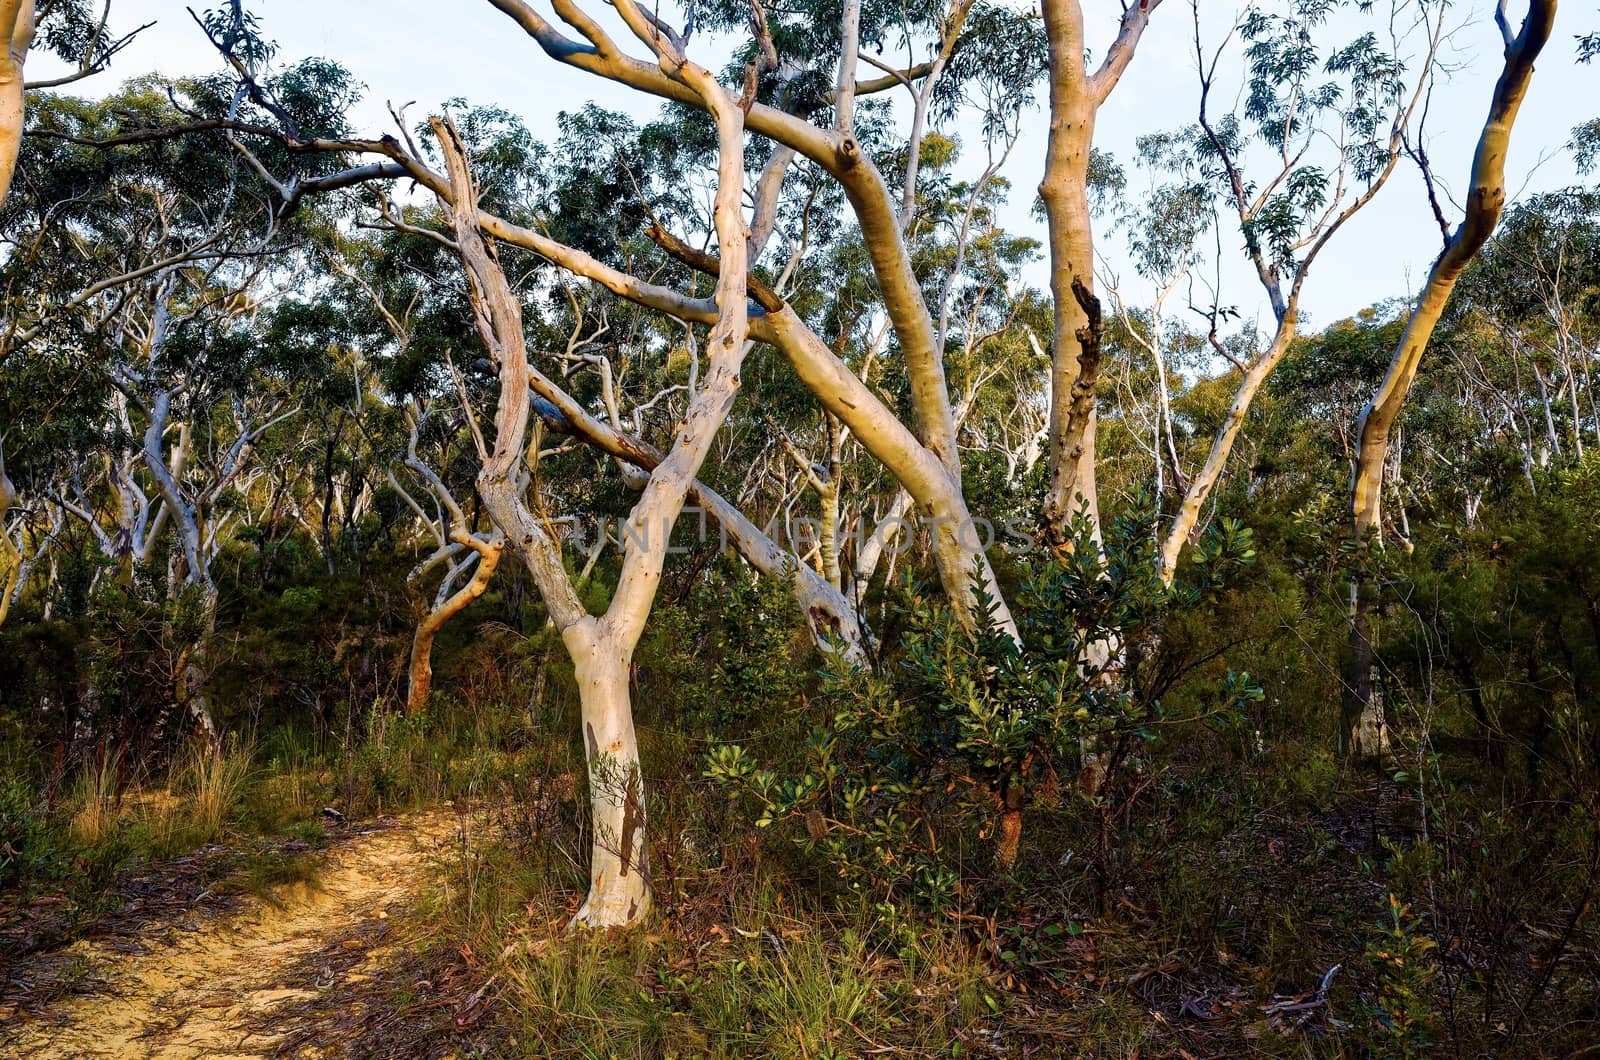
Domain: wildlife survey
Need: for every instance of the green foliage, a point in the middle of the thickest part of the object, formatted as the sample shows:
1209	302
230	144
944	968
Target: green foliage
27	844
758	640
1402	966
964	724
770	987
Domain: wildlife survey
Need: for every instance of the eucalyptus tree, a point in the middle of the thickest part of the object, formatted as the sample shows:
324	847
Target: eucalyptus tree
17	28
602	646
69	28
792	105
608	391
468	557
137	276
984	315
806	100
1076	96
1327	123
924	458
1485	202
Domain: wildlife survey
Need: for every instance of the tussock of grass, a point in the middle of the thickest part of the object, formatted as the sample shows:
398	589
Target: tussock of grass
96	797
213	781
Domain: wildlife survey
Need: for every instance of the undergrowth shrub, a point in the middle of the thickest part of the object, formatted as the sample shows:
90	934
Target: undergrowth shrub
939	749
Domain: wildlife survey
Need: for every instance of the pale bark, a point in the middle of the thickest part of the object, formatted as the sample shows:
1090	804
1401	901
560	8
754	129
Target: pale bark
831	615
959	541
792	335
615	897
198	531
1364	732
958	545
1186	522
883	533
1485	201
1075	99
843	158
1065	194
830	506
136	534
840	155
824	481
1363	714
844	93
25	556
619	870
16	29
195	672
602	647
445	607
1248	202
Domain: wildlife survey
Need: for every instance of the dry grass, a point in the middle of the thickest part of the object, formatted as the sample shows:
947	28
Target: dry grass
213	780
96	797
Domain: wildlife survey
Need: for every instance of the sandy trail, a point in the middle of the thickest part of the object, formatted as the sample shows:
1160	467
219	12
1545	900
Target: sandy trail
212	988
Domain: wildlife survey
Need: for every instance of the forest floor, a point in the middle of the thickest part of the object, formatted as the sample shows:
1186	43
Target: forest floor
261	975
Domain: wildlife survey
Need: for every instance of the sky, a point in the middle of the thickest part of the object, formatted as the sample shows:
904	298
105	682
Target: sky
410	51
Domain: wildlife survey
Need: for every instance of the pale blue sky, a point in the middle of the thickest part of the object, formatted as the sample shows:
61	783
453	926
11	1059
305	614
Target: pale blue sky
408	50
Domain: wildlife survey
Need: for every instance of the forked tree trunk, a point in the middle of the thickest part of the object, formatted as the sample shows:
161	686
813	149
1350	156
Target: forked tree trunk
602	647
420	679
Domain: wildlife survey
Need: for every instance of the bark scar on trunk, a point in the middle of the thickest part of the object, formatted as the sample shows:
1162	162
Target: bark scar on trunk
632	821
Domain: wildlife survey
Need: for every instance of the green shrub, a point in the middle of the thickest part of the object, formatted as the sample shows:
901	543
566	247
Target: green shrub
942	747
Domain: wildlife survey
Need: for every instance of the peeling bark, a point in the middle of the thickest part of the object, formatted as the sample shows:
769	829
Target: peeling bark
1075	100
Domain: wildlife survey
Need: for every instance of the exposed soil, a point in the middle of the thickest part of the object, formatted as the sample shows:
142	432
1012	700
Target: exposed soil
199	984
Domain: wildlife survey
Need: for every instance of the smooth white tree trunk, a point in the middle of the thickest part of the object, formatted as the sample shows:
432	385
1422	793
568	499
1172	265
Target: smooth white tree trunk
619	874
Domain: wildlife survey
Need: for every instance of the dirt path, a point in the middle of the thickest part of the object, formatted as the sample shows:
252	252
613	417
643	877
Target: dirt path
217	987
